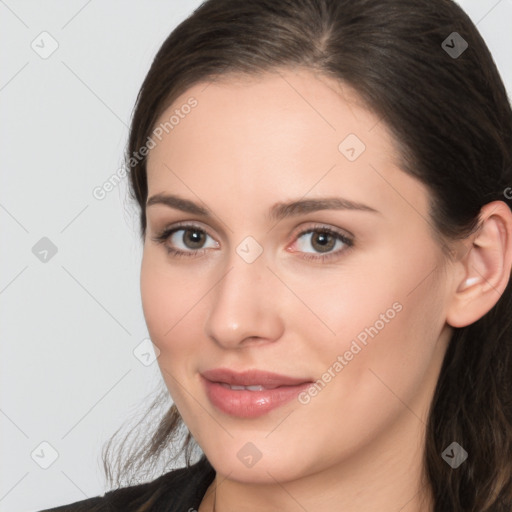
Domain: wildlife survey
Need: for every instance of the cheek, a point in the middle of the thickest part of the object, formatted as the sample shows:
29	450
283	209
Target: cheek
172	302
167	301
161	312
358	303
167	295
391	293
397	367
379	330
156	302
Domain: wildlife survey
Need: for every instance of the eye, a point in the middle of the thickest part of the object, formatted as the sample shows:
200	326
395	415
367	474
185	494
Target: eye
190	237
323	239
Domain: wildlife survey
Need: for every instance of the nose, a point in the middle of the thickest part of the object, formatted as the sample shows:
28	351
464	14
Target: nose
245	306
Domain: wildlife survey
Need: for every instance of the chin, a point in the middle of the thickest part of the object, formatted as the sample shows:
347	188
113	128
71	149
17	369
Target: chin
243	462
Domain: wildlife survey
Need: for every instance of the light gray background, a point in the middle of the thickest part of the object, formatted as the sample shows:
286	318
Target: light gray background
70	325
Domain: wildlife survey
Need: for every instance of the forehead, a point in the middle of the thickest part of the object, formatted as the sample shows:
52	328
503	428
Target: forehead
282	133
278	109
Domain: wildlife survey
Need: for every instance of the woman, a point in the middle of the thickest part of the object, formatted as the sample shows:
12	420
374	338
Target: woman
324	192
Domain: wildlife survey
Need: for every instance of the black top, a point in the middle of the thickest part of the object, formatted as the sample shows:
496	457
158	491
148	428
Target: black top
180	490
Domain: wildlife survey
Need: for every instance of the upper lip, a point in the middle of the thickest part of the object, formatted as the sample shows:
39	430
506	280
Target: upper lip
268	380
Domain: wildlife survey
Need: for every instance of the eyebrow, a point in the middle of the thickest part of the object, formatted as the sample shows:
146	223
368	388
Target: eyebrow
278	211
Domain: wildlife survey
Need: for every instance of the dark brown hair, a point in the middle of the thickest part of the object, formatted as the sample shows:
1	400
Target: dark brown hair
452	120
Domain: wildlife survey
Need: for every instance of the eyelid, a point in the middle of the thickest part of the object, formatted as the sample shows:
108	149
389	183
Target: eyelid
341	235
298	231
322	227
166	232
344	236
176	226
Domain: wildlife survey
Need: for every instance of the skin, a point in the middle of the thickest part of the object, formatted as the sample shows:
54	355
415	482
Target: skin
358	444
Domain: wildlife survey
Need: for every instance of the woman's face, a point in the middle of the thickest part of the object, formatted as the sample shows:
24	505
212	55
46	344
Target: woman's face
357	311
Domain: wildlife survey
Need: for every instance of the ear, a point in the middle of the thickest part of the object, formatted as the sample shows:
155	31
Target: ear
484	271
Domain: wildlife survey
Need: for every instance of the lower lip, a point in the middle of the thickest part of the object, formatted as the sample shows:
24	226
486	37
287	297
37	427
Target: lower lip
250	404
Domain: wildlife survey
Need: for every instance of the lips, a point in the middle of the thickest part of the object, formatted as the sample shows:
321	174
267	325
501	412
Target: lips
252	393
267	380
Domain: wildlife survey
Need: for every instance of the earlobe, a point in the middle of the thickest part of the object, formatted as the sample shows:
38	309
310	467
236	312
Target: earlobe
486	267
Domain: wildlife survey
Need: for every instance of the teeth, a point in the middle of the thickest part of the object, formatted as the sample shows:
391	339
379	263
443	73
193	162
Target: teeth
240	388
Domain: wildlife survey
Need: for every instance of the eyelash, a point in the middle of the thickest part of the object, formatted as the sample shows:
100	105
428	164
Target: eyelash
164	235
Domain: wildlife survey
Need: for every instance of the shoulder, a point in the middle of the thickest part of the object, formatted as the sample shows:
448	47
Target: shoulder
178	490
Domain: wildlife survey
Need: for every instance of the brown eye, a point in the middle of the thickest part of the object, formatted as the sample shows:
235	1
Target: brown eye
184	240
193	238
323	240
